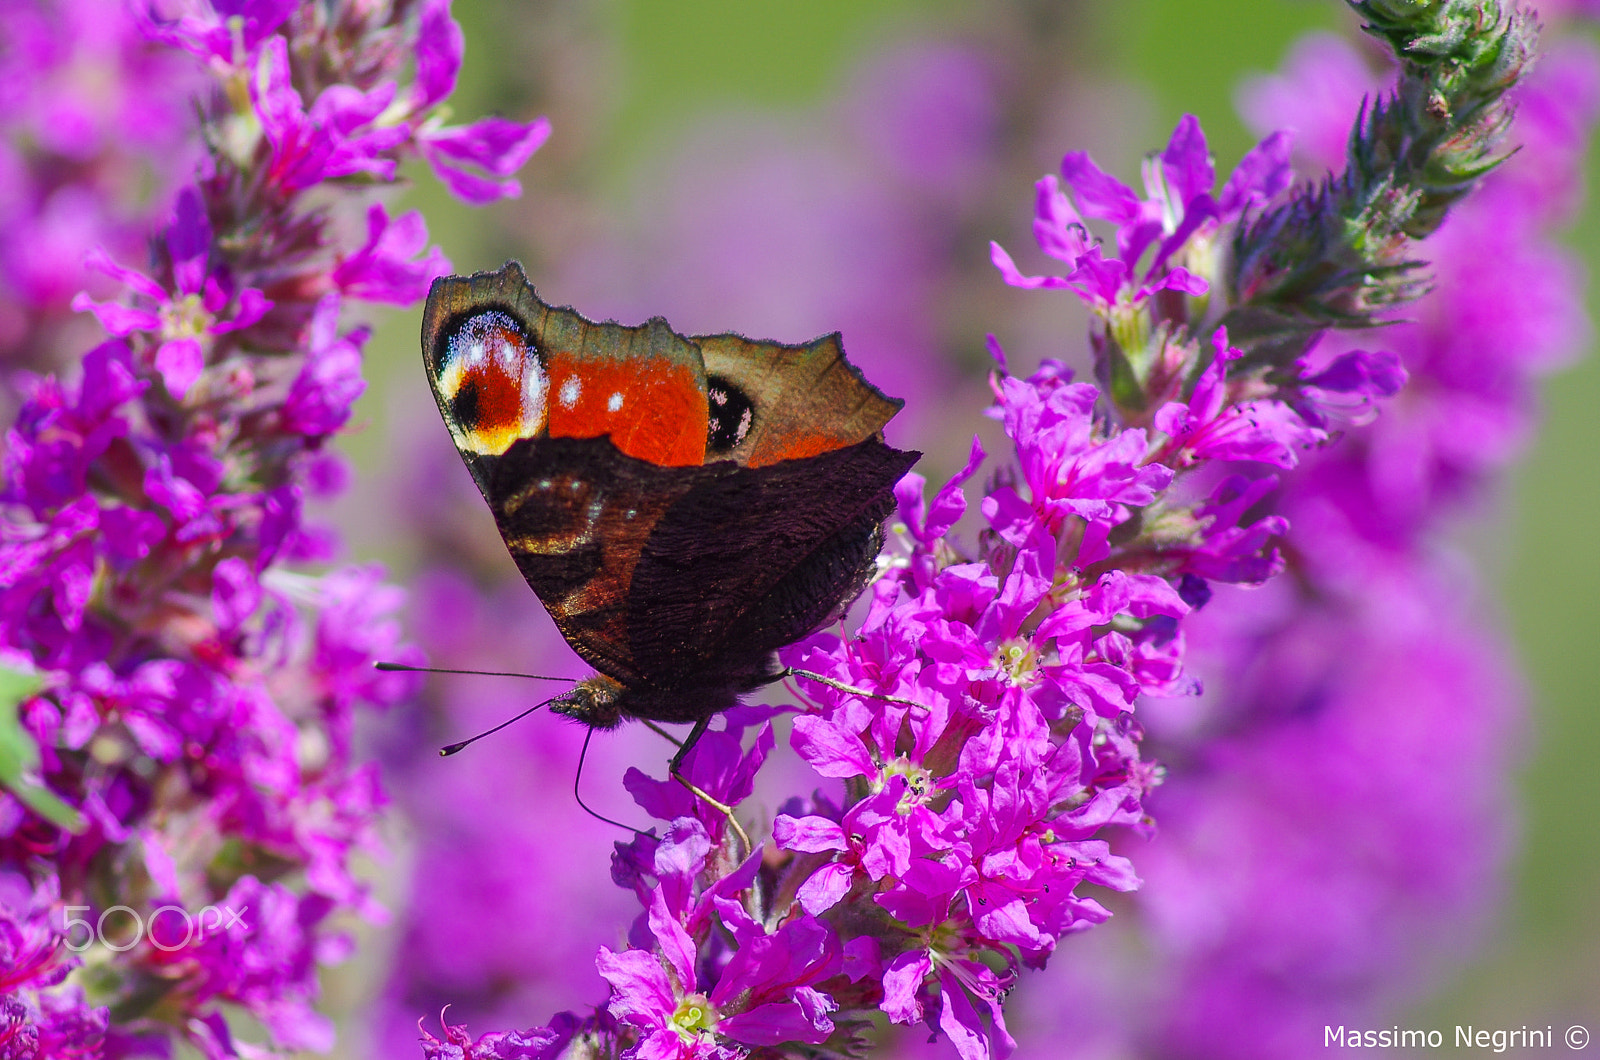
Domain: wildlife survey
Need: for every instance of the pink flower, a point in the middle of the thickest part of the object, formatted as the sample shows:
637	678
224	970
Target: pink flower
383	270
184	320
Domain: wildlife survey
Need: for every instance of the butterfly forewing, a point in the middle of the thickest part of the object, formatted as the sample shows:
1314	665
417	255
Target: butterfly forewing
805	399
503	366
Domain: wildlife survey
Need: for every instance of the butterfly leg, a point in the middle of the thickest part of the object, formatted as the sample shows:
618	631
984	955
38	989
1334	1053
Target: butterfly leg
689	741
841	686
722	808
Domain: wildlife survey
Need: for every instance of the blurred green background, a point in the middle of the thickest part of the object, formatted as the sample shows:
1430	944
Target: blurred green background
637	72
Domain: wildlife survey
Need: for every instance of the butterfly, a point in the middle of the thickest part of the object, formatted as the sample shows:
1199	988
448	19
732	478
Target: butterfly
683	506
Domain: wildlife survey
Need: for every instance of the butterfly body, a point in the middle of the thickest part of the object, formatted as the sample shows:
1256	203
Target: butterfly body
683	507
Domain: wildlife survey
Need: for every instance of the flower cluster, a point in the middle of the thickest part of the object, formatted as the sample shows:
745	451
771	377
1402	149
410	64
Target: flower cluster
981	719
40	1018
189	735
1371	670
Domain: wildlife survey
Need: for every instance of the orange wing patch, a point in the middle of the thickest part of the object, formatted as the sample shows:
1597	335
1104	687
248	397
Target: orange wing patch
652	406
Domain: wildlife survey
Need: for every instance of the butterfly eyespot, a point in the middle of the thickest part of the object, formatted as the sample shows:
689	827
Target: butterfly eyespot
731	415
570	391
491	380
614	403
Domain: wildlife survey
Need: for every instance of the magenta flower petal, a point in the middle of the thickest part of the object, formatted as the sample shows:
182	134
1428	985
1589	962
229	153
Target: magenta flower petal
810	834
440	45
1261	175
100	261
640	992
253	305
825	888
300	150
131	533
1186	162
779	1021
830	750
119	320
1013	276
676	945
235	593
901	981
347	109
320	398
180	362
383	269
471	187
1102	195
1057	227
499	146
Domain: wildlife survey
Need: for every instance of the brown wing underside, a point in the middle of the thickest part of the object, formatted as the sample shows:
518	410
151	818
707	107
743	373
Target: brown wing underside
575	515
757	558
659	576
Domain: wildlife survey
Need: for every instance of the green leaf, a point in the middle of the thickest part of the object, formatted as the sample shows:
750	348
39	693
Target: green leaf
19	755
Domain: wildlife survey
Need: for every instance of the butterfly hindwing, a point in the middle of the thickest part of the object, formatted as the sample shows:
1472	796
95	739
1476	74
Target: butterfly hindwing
753	559
576	515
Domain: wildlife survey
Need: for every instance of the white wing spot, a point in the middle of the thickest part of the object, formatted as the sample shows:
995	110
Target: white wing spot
614	402
569	392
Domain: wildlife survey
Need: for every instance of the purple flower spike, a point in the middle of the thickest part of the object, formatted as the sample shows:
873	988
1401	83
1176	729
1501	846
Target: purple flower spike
154	509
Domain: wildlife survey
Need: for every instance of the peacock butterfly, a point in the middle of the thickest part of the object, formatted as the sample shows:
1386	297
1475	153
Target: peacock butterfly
682	506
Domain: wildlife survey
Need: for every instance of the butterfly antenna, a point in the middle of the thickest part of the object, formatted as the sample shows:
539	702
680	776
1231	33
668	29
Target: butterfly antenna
446	752
841	686
583	754
394	667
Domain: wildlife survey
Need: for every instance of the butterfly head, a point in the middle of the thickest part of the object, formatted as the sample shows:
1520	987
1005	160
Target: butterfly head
592	701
